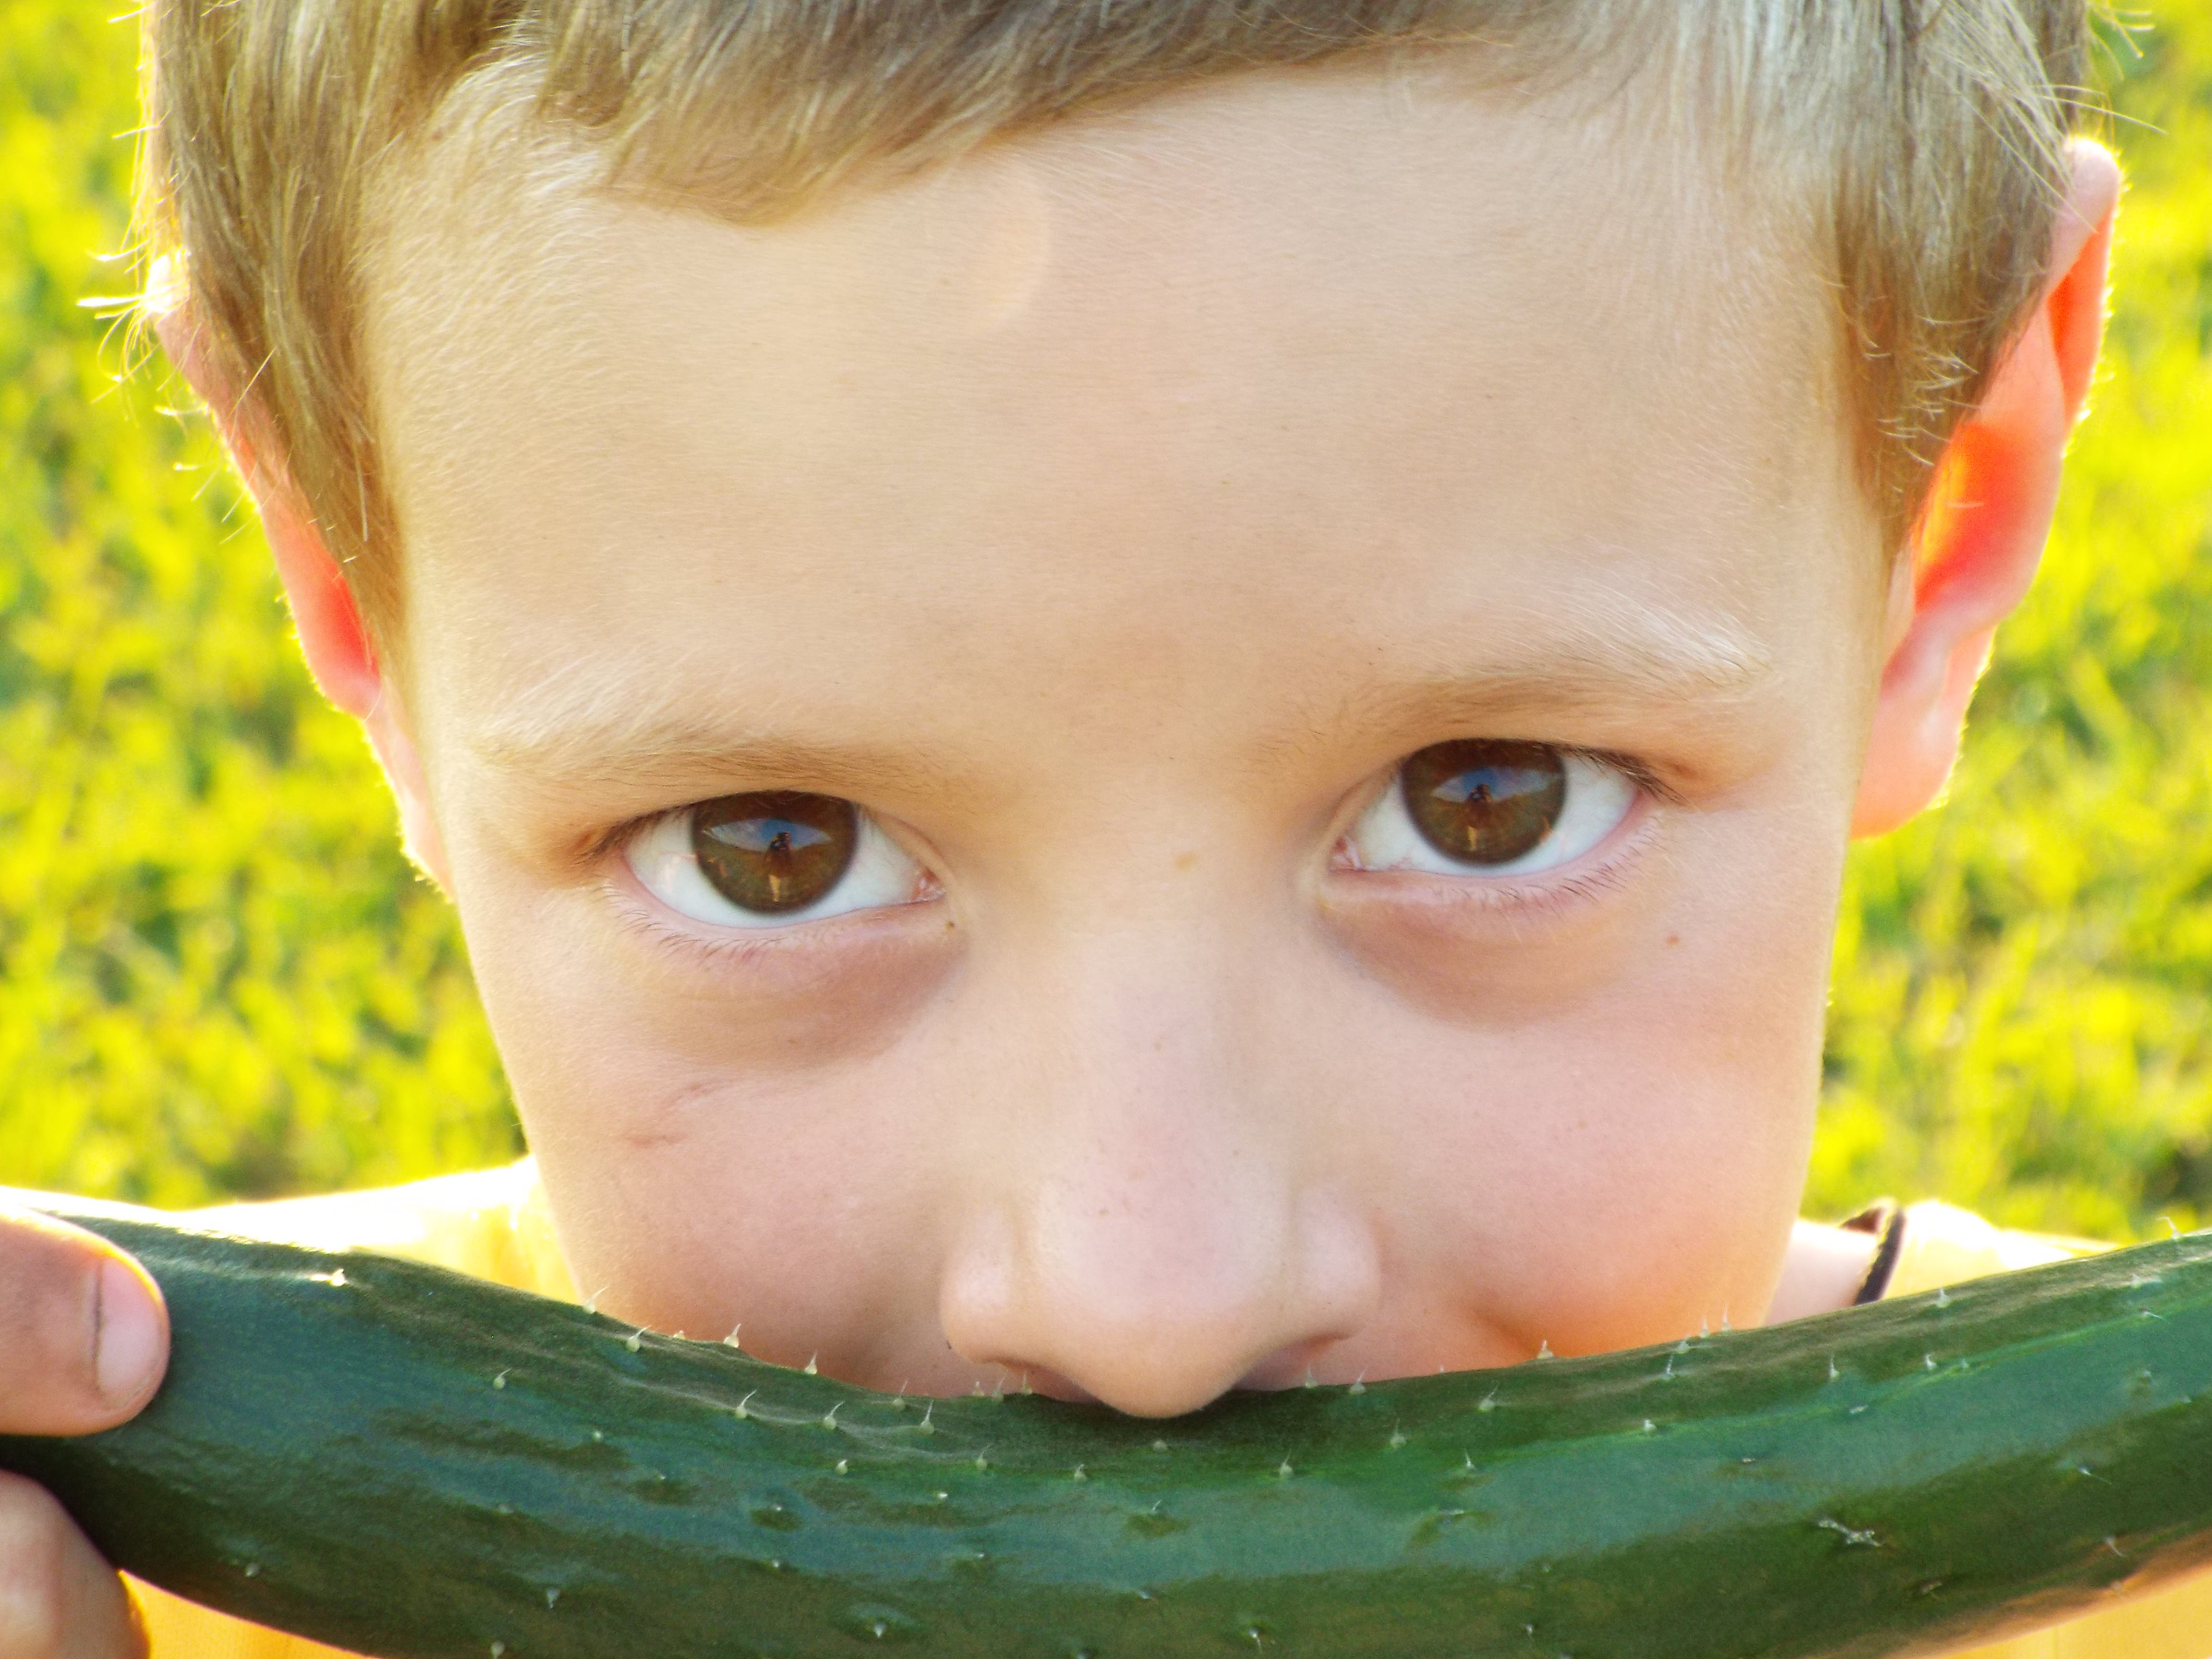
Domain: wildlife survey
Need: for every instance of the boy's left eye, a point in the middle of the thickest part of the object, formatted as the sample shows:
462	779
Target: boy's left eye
770	858
1488	806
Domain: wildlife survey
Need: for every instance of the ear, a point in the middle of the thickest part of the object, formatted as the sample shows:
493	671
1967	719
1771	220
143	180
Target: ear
1988	513
336	644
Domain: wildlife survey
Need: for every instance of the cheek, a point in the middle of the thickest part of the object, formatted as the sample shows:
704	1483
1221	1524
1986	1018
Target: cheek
810	1205
713	1139
588	1001
1604	1139
765	1208
1601	1187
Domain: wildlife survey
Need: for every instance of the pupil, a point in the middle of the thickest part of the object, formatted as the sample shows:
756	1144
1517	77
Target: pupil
1482	800
777	850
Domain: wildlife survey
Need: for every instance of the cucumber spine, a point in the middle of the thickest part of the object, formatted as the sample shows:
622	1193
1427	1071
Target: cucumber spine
412	1464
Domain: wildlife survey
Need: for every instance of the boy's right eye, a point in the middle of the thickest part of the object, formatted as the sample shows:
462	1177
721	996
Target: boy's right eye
771	858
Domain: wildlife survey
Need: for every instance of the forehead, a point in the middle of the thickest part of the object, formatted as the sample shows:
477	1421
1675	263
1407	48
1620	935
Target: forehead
1238	388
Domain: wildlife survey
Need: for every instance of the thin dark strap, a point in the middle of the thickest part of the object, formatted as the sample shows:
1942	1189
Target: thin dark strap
1885	1218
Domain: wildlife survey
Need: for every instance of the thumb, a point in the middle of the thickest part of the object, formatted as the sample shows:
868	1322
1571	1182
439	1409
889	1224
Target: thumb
84	1334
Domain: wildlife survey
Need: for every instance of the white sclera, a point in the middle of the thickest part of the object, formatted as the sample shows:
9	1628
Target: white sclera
1598	797
660	856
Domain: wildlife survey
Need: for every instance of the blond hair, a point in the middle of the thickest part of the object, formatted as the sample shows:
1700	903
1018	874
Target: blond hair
1929	135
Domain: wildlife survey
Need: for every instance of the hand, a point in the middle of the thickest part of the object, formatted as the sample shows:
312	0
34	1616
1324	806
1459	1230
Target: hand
84	1338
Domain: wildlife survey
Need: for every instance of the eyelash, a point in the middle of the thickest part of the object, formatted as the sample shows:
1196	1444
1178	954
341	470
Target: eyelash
719	951
644	910
1516	901
1575	879
743	954
1507	895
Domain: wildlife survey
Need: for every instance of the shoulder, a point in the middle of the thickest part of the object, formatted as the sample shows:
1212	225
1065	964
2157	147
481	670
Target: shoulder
492	1223
1942	1244
398	1220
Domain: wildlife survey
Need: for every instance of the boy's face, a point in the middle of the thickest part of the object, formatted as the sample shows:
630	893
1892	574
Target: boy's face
1106	521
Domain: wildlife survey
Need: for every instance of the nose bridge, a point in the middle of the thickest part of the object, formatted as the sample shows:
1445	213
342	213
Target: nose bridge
1150	1231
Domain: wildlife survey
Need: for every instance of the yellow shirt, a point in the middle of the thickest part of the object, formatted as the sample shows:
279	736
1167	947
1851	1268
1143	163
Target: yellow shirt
493	1224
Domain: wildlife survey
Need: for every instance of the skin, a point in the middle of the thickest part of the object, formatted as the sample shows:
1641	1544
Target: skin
1107	517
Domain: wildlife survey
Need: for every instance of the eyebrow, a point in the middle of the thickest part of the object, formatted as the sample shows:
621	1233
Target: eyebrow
577	732
1602	657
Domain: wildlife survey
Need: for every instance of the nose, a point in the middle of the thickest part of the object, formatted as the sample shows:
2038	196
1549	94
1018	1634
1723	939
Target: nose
1158	1221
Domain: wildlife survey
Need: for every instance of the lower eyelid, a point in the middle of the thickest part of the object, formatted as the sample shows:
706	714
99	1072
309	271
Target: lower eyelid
1514	903
1622	843
639	915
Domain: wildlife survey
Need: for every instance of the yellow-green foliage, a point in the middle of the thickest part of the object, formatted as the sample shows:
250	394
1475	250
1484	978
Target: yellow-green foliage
218	975
2022	1014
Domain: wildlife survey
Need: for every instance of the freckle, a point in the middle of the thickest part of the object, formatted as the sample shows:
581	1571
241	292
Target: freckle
1674	938
1186	861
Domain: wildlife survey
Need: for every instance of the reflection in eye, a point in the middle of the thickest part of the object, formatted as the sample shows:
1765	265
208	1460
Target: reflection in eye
1484	806
774	853
770	858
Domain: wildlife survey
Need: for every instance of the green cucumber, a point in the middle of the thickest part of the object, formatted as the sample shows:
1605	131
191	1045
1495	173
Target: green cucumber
417	1465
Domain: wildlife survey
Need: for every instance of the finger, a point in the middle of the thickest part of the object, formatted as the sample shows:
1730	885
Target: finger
58	1599
84	1336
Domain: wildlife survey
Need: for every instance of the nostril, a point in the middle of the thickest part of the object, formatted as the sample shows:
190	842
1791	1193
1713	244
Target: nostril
1139	1388
1154	1371
1041	1379
1297	1364
1120	1314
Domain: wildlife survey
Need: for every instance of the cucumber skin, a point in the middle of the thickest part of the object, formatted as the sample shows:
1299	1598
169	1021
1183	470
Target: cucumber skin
408	1461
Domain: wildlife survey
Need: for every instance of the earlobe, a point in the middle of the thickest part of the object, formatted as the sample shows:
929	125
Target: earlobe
388	734
325	614
1988	514
342	659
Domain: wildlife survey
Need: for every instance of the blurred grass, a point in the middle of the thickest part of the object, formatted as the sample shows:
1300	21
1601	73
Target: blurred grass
218	975
2021	1020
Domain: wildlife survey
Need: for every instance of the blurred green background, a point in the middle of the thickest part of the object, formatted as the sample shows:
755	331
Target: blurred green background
219	976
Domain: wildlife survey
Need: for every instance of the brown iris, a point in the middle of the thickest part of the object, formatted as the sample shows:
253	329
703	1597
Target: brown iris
776	850
1482	800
